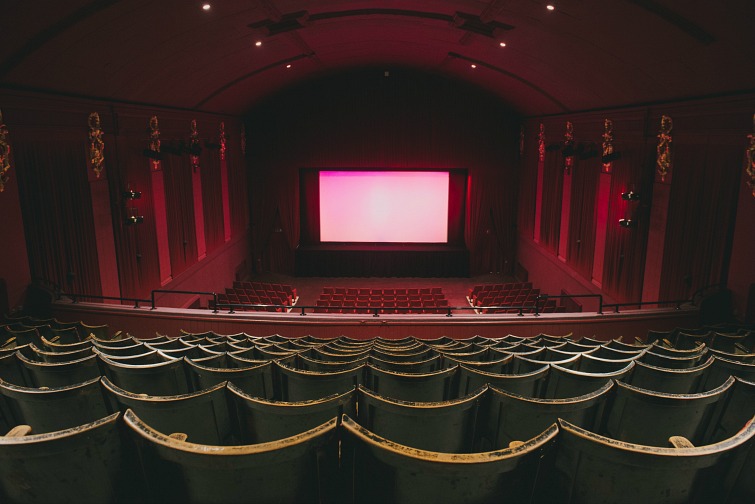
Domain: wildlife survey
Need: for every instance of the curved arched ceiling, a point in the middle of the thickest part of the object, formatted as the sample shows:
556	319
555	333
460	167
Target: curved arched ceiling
585	54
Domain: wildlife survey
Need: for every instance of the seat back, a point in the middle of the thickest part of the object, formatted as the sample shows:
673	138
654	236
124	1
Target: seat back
447	426
564	383
203	416
162	378
81	464
589	468
54	409
424	387
59	374
262	420
651	418
385	471
507	417
295	385
284	471
527	384
255	380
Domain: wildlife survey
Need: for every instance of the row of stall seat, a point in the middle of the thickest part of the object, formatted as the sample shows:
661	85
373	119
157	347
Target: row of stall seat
437	420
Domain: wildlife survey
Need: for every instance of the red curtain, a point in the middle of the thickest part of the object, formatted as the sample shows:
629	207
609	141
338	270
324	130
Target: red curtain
553	182
179	203
624	259
702	207
528	184
237	185
583	215
136	245
212	199
57	211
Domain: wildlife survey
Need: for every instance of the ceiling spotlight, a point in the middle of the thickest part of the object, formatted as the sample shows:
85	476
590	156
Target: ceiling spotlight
258	43
206	6
473	65
503	44
288	66
550	7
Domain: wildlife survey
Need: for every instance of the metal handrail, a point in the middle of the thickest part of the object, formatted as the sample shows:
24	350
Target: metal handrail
202	293
677	302
136	301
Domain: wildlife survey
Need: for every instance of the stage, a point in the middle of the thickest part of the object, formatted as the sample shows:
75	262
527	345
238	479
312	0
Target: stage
382	260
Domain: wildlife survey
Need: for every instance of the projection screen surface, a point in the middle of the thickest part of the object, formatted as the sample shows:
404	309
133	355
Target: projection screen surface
384	206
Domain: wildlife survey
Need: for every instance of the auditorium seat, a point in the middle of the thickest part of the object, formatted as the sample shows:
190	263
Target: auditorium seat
59	374
311	364
732	411
385	471
564	383
672	362
527	384
647	417
204	416
499	364
442	426
262	420
673	381
162	378
427	365
46	356
285	470
122	350
591	468
507	417
294	385
721	368
256	380
53	409
81	464
434	386
11	370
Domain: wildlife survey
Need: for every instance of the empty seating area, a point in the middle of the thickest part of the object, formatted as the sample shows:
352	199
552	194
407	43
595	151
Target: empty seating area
381	300
511	297
276	297
207	417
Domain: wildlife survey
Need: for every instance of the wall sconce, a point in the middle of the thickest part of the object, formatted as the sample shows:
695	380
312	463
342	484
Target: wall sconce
132	195
132	213
627	223
134	219
630	196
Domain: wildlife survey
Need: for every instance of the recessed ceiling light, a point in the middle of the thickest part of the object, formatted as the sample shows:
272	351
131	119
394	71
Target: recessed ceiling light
288	66
206	6
550	7
258	43
503	44
473	65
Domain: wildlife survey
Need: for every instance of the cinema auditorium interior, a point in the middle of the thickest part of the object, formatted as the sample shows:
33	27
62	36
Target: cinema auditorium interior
377	251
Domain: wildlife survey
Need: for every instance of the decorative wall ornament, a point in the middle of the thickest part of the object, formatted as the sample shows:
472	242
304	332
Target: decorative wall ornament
4	154
749	169
96	145
153	147
223	141
568	151
608	154
194	146
541	143
243	139
664	147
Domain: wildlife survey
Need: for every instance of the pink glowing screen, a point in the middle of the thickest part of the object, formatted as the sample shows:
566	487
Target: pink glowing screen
384	207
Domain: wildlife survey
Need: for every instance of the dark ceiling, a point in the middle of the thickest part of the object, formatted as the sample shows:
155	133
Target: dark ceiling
585	54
